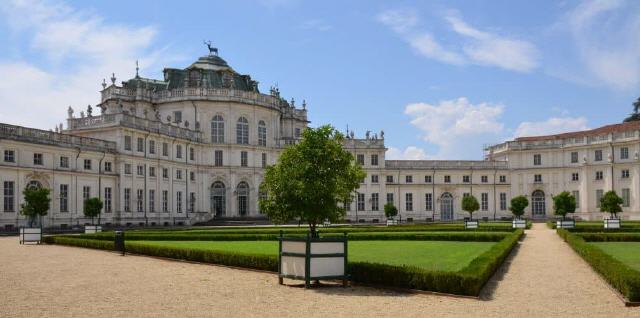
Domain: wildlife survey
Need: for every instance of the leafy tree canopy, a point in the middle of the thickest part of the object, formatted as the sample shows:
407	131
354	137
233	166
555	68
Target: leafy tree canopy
312	180
518	204
611	203
36	203
635	116
470	204
390	210
563	204
92	208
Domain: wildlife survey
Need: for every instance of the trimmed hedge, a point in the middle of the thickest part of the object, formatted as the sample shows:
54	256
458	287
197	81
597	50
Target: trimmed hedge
610	237
622	277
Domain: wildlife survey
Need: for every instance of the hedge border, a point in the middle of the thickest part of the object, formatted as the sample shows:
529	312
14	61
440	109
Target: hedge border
620	276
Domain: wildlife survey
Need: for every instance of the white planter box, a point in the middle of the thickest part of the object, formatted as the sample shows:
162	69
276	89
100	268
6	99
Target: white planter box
566	224
312	259
91	229
471	224
30	235
519	224
392	222
611	223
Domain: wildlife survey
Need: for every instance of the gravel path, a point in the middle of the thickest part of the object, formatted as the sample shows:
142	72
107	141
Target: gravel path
542	278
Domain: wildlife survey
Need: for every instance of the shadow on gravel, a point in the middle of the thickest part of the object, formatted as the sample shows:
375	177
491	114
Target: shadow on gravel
336	289
490	287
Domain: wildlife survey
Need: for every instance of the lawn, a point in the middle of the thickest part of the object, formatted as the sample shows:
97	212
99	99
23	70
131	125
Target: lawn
431	255
627	252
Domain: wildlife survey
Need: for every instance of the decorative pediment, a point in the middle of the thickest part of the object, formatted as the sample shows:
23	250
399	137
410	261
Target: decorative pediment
42	177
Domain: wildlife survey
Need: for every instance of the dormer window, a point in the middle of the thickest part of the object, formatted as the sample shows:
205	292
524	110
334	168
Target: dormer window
194	78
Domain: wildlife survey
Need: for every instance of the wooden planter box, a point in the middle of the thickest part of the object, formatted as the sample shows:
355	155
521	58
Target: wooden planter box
91	229
612	223
519	224
471	224
30	235
312	259
566	224
392	222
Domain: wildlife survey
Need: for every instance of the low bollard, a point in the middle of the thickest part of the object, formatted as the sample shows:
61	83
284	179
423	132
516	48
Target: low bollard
119	241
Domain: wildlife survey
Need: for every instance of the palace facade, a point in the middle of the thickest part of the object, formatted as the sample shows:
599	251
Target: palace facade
193	147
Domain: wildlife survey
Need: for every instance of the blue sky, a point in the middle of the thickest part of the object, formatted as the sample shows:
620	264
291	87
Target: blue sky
441	78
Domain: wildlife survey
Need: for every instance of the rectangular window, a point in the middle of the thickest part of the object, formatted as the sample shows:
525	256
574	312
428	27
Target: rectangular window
192	201
484	179
107	166
140	170
624	153
447	179
165	201
264	160
360	159
599	194
152	200
192	154
127	168
374	202
428	201
626	197
165	173
574	157
503	201
140	144
374	178
64	198
503	179
575	176
466	194
625	173
408	201
484	201
165	149
374	160
179	202
64	162
107	199
297	131
127	142
466	179
217	160
152	147
537	178
408	179
428	179
390	198
360	205
139	198
127	199
9	156
537	160
9	196
192	176
598	155
152	172
599	175
389	179
37	159
177	116
178	174
86	193
347	206
244	159
178	151
576	194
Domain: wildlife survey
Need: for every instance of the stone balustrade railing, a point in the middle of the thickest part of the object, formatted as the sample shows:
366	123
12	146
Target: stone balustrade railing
39	136
445	164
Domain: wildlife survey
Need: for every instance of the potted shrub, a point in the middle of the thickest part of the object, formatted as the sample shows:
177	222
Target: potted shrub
563	204
611	203
36	205
518	204
470	204
312	181
390	211
92	208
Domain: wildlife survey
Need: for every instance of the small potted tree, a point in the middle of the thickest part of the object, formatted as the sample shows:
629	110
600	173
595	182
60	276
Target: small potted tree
92	208
470	204
390	211
611	203
563	204
518	204
36	205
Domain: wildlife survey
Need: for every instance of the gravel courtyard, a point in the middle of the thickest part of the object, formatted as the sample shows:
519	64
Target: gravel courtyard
542	278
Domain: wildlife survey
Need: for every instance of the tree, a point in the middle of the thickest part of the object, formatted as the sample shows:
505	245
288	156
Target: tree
518	204
635	116
563	204
470	204
611	203
312	180
36	203
390	210
92	208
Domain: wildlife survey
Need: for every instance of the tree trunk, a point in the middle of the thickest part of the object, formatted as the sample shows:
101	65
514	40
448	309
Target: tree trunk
312	228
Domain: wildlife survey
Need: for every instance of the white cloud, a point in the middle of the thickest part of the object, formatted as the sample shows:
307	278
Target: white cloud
472	45
409	153
456	126
316	24
78	49
553	125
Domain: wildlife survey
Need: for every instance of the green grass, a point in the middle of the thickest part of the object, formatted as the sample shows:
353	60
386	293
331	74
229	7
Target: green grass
430	255
626	252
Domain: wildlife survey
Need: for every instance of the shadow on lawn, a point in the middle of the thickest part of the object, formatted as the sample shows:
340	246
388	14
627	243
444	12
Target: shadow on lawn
490	287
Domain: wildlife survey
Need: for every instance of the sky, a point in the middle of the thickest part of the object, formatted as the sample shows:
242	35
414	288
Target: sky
441	78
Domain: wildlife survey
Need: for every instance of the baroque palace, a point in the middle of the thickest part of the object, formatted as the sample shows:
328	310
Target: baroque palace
193	148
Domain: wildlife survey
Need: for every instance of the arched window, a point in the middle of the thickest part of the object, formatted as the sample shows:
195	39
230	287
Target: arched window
243	198
538	204
217	129
446	206
218	198
262	133
34	184
242	131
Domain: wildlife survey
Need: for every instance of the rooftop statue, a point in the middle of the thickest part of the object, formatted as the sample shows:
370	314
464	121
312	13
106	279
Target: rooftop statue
212	50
